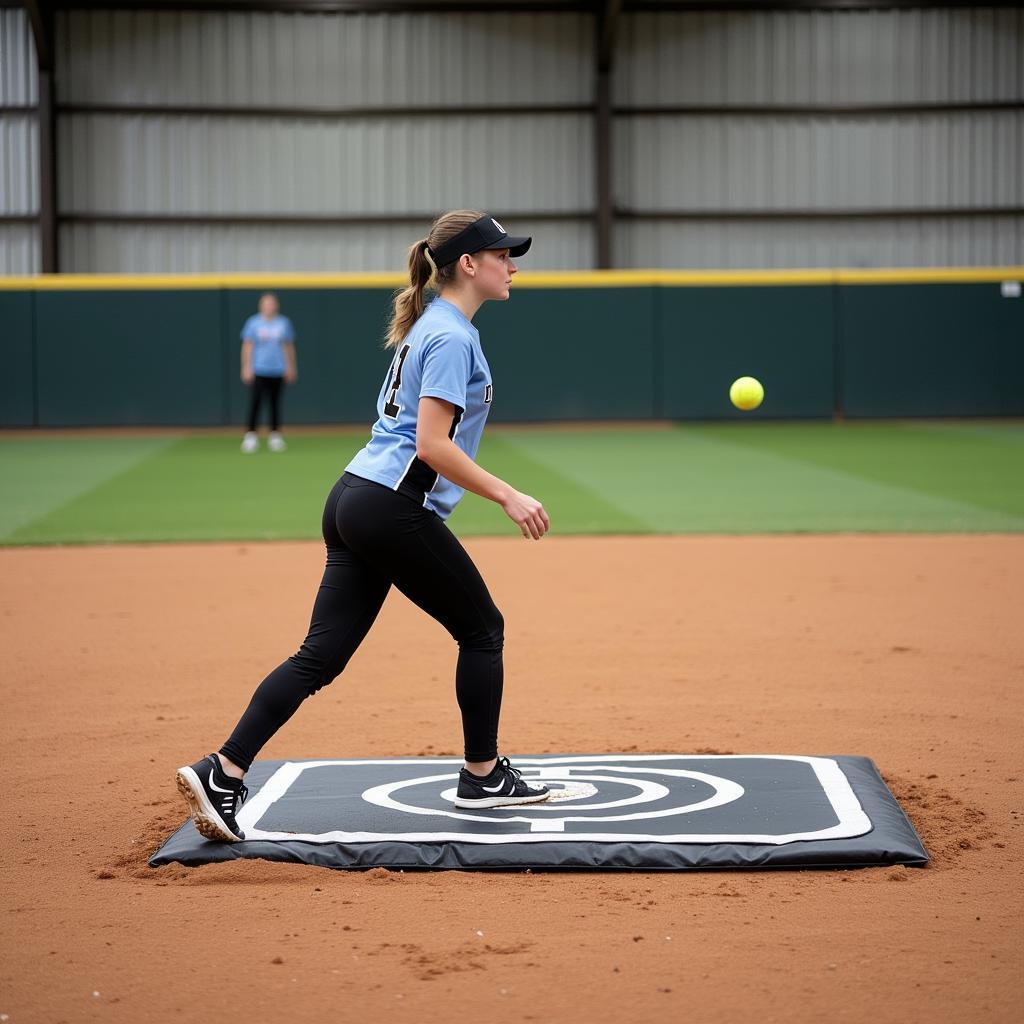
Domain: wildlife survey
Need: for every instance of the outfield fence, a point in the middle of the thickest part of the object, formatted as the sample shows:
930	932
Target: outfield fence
93	350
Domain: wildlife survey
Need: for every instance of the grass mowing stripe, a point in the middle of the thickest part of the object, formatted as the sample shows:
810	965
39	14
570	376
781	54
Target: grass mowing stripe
40	474
691	479
972	465
1012	432
204	489
731	478
572	507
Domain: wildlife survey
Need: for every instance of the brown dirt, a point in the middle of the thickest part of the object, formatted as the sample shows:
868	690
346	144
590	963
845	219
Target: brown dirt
123	662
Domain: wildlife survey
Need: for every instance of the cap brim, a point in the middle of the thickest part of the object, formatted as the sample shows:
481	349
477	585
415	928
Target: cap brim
516	245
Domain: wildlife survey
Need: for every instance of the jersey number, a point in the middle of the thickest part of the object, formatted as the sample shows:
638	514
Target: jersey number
391	406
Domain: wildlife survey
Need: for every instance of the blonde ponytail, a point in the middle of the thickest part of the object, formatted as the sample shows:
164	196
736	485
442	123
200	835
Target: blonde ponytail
408	302
408	307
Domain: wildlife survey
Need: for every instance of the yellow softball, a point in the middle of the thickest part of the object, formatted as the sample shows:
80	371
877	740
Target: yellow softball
746	393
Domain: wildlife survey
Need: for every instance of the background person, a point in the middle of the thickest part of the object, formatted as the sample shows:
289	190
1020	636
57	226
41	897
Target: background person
268	362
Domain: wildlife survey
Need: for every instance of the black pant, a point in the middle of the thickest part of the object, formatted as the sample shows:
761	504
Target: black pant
271	387
376	537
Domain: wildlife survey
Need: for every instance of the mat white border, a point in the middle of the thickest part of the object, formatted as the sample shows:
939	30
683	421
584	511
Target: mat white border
852	819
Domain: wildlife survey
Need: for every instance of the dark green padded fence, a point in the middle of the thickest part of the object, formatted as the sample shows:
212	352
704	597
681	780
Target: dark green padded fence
136	356
17	360
782	335
572	353
931	350
128	357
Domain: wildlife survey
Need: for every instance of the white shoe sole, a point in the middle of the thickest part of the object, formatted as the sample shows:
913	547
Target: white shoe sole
206	820
499	801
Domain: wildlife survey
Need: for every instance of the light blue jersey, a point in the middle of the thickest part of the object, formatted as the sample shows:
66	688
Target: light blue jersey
268	338
440	357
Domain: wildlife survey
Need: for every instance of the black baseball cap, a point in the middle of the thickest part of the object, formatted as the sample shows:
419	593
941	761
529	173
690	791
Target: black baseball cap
485	233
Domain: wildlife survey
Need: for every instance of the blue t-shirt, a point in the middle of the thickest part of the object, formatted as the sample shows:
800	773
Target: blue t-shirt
440	357
268	338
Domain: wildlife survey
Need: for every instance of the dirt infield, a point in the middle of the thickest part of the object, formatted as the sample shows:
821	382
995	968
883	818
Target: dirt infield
120	663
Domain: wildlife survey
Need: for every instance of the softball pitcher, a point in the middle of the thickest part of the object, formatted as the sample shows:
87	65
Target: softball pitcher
384	525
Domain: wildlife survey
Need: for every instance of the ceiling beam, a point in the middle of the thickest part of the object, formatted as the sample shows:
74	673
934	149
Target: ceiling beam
482	6
331	6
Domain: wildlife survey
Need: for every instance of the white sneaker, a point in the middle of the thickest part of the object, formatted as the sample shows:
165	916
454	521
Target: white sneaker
250	443
276	442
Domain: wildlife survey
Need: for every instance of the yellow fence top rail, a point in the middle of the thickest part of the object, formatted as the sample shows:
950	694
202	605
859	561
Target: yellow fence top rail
526	279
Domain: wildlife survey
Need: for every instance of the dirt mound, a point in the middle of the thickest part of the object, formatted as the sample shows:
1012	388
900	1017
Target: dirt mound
948	826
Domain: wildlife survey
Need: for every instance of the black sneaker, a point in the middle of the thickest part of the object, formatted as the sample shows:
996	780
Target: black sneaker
213	799
502	788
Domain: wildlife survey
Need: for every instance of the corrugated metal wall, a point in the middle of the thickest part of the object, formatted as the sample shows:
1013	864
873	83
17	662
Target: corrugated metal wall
378	164
19	144
188	248
882	242
330	60
175	164
694	189
820	163
885	162
844	56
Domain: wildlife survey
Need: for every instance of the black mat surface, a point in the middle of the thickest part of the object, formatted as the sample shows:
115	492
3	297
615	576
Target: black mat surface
644	812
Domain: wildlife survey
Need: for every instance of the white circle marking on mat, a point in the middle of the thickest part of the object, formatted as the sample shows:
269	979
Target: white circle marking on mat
725	791
578	789
567	791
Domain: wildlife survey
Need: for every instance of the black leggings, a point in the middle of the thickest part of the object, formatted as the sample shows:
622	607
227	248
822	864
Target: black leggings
271	387
376	537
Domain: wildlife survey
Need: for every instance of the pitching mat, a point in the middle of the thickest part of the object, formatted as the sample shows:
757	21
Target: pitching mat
642	812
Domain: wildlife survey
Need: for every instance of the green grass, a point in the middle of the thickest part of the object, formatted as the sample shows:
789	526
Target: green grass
722	478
